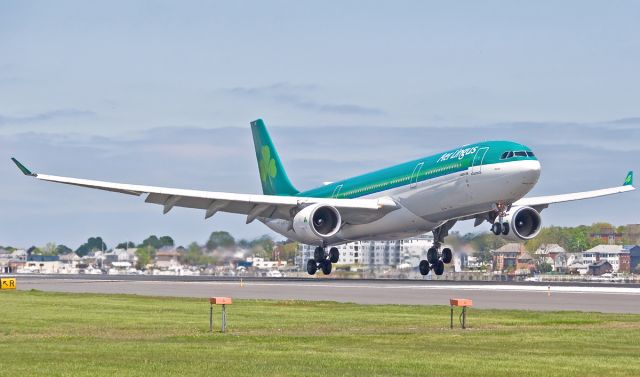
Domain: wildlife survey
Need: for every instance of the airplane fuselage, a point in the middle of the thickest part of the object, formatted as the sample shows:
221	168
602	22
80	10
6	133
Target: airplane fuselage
433	190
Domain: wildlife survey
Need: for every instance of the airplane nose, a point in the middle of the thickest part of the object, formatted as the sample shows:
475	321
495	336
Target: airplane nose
531	170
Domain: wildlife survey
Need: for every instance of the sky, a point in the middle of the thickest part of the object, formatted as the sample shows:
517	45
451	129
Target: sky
162	93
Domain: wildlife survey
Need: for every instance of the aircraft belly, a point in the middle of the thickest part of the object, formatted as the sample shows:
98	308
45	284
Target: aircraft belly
395	225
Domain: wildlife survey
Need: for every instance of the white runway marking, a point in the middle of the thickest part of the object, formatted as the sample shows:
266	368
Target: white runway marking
496	287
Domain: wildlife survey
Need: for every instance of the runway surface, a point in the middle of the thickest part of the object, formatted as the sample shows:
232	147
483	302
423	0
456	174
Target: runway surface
605	298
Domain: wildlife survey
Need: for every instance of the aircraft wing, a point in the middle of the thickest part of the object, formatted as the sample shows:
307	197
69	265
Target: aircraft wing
540	202
354	211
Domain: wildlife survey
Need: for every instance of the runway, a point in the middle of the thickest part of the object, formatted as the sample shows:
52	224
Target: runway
597	298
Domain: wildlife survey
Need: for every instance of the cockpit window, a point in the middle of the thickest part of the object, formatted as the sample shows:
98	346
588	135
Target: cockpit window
511	154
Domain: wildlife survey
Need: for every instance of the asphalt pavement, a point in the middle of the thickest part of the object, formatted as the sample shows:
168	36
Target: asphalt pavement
612	298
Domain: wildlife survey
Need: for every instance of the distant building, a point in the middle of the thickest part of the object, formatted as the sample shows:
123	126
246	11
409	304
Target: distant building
607	235
43	264
616	255
555	255
406	253
263	264
506	257
120	255
167	259
634	254
600	267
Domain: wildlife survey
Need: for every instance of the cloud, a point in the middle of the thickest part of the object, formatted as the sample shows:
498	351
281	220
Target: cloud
626	121
294	95
44	116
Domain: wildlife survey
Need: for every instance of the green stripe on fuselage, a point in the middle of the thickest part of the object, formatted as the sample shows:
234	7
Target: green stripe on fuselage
453	161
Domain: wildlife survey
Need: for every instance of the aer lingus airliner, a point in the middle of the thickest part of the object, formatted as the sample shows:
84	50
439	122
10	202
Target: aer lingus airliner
485	181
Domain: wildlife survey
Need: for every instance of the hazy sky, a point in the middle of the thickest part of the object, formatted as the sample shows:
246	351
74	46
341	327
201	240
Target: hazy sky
162	93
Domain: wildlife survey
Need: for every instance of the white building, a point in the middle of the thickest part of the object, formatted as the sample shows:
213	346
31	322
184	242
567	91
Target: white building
405	253
555	255
261	263
614	254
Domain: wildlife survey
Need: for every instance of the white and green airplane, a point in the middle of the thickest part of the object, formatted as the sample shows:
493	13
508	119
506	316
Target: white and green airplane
484	181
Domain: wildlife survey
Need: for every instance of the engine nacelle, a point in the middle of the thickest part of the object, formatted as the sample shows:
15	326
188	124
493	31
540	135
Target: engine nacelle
316	223
524	223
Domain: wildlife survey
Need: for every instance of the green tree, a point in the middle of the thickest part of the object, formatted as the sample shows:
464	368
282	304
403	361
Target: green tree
166	241
49	249
126	245
145	255
262	247
92	244
152	241
157	243
288	251
195	256
545	267
33	250
63	249
220	239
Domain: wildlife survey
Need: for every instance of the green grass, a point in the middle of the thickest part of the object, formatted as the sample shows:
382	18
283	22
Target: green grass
55	334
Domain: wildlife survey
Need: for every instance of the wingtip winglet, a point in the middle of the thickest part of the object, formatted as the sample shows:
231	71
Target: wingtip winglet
22	168
629	180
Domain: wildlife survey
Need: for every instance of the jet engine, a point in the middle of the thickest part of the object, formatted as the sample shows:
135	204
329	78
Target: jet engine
316	223
524	223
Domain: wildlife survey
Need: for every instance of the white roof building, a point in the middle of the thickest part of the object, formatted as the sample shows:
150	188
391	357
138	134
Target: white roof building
609	253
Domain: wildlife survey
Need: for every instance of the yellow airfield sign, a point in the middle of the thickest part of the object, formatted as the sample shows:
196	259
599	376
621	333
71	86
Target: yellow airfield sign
7	283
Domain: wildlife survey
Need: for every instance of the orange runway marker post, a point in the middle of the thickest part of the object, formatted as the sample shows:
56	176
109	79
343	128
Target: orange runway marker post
464	303
219	301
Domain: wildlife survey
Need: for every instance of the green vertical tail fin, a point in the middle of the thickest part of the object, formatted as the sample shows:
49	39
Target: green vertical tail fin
272	175
629	180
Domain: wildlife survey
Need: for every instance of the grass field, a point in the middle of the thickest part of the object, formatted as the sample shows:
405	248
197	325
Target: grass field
55	334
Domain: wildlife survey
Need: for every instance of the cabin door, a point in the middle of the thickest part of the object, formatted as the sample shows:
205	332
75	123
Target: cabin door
478	159
415	175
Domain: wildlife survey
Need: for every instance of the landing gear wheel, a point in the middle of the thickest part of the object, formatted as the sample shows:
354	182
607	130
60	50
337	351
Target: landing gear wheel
496	229
424	267
447	255
438	268
326	267
334	255
505	229
432	255
318	254
312	267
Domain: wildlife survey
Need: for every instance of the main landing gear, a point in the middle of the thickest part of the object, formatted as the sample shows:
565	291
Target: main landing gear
435	260
322	261
500	227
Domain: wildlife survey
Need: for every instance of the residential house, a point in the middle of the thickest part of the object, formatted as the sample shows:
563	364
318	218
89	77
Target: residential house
553	254
616	255
600	267
634	254
506	257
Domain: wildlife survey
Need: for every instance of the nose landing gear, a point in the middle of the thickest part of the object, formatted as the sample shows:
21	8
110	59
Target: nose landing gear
322	261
